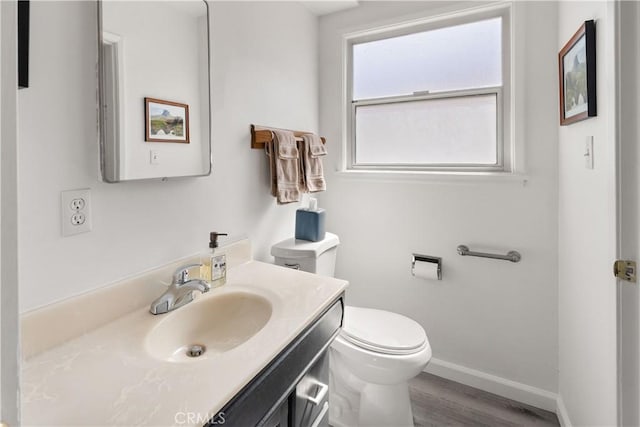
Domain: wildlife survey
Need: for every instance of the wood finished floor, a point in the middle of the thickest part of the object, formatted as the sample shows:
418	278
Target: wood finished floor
440	402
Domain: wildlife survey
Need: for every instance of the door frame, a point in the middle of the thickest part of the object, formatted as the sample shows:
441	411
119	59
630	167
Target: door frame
628	190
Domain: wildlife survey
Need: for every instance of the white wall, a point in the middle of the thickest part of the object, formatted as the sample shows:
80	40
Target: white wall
587	245
264	72
491	316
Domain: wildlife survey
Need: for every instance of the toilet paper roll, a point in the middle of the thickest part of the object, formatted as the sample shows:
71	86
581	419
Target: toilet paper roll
425	270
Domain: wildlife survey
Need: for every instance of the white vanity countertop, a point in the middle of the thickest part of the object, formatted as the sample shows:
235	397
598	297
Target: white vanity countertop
107	377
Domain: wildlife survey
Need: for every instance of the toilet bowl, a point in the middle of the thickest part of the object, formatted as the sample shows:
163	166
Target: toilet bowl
372	360
375	355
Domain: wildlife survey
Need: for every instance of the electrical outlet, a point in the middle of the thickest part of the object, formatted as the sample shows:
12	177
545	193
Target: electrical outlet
78	219
75	211
78	204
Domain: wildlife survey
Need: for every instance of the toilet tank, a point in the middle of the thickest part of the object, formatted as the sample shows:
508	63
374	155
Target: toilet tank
314	257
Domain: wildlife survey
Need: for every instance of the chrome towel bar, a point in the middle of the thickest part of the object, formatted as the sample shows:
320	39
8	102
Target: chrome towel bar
513	256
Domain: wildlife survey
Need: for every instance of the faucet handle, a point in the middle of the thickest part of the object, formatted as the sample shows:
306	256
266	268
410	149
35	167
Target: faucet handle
181	275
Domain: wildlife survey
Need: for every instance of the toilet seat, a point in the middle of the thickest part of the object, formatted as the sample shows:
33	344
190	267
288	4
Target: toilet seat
382	331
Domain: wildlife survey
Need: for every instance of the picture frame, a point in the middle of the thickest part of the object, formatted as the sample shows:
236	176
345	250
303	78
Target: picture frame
577	76
166	121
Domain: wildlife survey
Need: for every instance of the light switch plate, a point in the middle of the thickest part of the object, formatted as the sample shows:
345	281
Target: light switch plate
588	153
154	157
75	211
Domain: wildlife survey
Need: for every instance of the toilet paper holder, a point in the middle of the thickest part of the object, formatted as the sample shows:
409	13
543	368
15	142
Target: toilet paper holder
429	259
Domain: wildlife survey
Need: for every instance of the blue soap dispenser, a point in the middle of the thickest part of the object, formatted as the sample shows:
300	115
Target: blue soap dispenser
310	222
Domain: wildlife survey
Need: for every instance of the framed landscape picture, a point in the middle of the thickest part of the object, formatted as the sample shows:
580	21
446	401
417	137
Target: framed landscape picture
166	121
577	64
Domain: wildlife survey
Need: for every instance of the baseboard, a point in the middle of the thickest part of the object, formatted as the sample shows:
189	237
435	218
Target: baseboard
563	415
519	392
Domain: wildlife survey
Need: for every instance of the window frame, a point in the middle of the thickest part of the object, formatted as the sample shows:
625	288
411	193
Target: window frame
498	166
504	111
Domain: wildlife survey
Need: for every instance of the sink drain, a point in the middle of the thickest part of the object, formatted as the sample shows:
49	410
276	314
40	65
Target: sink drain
196	350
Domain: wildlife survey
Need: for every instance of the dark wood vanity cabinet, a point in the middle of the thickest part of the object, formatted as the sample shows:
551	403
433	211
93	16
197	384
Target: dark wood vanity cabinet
293	390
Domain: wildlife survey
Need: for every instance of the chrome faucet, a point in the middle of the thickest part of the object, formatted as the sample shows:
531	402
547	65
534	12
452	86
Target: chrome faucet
180	292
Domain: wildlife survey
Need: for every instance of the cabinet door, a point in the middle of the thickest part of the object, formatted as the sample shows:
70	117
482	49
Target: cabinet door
312	395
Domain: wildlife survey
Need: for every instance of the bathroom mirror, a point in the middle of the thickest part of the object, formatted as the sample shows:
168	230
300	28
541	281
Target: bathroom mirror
154	89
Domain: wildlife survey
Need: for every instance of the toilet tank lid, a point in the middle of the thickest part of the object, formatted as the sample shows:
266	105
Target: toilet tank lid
294	248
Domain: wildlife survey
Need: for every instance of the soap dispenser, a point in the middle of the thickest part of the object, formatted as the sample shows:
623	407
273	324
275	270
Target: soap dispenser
214	265
310	222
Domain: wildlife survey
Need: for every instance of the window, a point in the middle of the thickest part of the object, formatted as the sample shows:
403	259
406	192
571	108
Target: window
431	96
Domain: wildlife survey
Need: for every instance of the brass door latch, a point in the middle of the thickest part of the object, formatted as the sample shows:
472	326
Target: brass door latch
625	270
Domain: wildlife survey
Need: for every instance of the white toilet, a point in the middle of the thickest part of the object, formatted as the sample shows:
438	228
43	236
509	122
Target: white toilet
375	355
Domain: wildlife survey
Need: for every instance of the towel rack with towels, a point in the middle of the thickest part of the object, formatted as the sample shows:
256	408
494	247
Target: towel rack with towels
513	256
260	135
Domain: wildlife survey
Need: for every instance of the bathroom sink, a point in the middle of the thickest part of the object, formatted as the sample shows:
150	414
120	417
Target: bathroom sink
208	326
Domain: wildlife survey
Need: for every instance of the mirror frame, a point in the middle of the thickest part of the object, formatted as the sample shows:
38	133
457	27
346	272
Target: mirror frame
101	109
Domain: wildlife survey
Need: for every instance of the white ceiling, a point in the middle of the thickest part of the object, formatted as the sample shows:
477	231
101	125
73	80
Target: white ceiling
324	7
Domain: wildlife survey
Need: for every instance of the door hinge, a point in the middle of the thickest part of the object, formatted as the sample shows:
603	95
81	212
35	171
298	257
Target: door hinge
625	270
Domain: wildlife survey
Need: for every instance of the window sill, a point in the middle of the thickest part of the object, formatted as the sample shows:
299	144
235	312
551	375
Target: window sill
433	176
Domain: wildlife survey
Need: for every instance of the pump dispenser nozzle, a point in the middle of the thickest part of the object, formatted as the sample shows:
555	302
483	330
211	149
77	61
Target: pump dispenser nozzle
213	239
